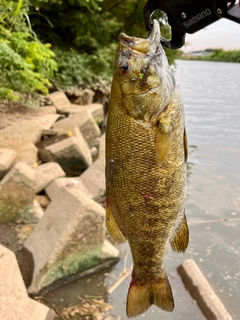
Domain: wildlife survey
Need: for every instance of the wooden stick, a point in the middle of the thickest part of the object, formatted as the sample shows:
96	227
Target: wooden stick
201	291
119	281
59	314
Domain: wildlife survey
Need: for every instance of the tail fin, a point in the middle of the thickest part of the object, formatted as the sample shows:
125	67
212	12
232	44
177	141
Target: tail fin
141	297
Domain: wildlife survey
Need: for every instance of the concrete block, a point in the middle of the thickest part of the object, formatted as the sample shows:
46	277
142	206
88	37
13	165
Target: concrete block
46	173
14	301
94	152
37	210
43	200
94	176
96	109
46	121
86	97
21	138
82	120
27	153
102	147
60	101
45	156
68	239
73	154
81	96
17	191
109	250
7	157
47	110
76	108
54	188
26	132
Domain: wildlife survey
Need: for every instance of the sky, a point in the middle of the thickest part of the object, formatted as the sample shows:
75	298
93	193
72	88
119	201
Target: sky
223	34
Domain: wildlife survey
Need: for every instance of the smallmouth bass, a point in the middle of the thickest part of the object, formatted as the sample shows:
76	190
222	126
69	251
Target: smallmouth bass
146	153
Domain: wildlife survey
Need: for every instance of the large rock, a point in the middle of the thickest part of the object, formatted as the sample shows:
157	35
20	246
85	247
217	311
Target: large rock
37	210
17	191
46	121
60	101
27	153
14	301
96	109
102	96
102	147
84	121
68	239
27	131
102	93
53	189
72	154
81	96
46	173
7	156
94	177
63	105
21	138
47	110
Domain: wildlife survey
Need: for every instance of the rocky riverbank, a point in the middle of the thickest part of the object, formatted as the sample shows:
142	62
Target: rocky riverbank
52	190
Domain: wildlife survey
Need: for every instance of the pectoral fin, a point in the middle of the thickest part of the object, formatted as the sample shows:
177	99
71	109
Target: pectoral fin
179	241
112	226
163	139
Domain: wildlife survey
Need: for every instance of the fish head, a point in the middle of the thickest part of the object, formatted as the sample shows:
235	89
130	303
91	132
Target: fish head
145	78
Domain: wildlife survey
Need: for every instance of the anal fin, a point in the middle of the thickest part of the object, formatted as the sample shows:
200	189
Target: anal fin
179	241
112	226
142	296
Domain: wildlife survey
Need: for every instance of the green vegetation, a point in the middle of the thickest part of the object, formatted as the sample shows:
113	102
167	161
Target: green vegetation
219	55
25	63
60	43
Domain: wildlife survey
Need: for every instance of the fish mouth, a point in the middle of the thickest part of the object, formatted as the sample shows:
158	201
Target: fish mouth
151	44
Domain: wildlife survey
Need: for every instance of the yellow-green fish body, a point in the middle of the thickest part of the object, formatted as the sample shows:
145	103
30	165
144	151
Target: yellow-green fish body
146	151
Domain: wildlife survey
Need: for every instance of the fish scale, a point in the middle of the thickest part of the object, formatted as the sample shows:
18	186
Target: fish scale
145	167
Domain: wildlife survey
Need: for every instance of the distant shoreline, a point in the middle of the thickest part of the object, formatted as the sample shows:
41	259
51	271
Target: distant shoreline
213	55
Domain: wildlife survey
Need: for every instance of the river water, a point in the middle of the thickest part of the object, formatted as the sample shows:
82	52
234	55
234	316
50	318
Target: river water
211	92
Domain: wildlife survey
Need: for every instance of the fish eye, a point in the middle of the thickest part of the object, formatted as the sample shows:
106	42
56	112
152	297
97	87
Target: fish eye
124	67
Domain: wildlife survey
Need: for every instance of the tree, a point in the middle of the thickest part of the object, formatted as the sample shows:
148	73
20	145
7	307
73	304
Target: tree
25	63
84	35
81	36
